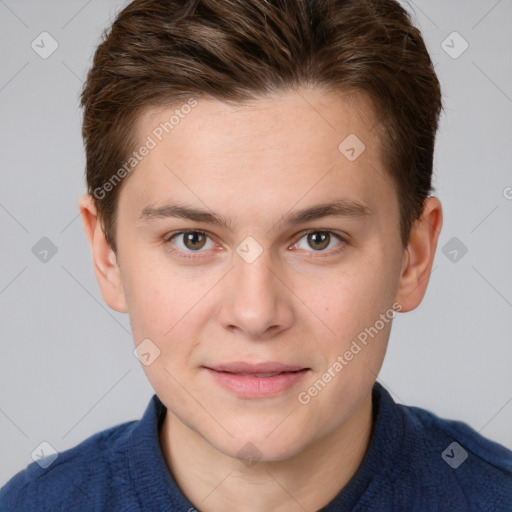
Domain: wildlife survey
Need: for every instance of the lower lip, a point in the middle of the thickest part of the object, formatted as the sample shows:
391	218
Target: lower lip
248	386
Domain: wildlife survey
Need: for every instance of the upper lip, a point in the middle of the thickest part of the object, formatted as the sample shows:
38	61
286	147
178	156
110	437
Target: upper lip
266	367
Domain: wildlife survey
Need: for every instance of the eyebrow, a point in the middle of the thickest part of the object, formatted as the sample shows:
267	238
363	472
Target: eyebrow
338	208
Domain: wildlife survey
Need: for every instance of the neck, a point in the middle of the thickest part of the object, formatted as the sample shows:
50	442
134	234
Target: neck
214	481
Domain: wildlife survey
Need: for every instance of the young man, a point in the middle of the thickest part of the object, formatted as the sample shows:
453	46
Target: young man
259	178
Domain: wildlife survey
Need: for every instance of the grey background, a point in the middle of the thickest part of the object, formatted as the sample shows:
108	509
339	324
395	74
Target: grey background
66	364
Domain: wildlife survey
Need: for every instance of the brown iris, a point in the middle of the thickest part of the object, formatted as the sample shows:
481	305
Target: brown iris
319	239
194	240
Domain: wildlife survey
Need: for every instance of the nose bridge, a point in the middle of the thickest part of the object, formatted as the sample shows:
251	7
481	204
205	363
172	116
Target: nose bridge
255	276
257	299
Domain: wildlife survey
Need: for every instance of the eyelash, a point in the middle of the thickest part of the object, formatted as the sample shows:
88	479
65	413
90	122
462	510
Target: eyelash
189	254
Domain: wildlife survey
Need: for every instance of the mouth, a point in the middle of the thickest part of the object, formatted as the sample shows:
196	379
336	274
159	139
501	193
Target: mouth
260	375
257	381
263	369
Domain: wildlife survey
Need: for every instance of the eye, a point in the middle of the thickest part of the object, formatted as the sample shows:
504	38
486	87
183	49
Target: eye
191	241
320	240
186	243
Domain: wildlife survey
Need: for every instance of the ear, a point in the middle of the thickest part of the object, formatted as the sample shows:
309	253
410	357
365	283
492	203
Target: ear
106	267
419	255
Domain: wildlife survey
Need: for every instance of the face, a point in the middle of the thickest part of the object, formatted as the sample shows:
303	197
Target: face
265	274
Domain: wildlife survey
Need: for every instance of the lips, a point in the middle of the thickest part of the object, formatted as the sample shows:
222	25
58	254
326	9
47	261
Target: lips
256	381
266	369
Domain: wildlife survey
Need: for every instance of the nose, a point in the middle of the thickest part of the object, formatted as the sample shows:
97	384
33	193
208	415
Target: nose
256	299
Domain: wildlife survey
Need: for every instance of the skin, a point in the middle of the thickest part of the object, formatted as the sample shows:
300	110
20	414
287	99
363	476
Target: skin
296	304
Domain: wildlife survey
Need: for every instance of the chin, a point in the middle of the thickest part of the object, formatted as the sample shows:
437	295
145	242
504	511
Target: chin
252	447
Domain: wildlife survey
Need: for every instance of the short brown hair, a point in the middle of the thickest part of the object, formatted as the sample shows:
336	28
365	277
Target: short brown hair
160	52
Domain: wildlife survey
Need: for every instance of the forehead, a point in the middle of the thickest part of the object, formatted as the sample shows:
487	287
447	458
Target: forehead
287	148
281	120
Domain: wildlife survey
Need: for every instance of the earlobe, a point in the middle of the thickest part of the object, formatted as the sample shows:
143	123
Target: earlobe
105	262
419	255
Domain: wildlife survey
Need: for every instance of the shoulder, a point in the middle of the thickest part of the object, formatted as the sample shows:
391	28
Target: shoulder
69	479
451	460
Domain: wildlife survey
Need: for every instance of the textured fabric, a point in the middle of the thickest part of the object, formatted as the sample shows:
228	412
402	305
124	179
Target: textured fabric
411	465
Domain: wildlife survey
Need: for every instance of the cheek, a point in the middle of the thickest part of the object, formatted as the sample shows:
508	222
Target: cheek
155	297
162	309
167	305
352	297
